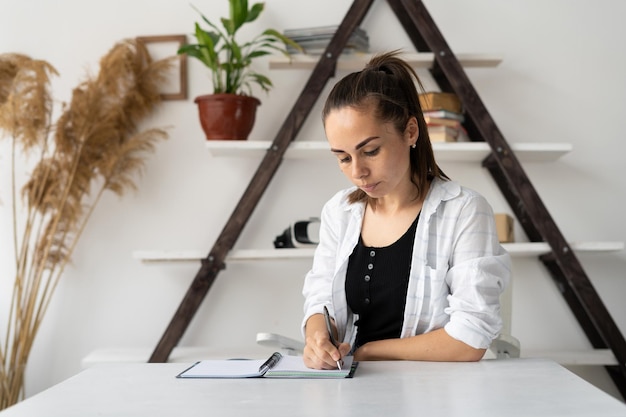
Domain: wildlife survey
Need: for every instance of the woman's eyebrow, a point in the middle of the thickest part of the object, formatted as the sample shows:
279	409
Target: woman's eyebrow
359	146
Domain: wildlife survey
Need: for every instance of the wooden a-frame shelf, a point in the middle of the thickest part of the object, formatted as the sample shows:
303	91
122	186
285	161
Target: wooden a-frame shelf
503	162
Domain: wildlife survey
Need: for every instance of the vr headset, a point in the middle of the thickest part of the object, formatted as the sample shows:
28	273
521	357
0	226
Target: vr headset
300	234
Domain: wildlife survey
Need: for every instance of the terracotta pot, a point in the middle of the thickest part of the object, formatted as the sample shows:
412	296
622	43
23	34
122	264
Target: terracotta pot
226	116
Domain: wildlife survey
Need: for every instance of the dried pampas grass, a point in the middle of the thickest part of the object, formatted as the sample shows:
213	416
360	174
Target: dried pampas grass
94	146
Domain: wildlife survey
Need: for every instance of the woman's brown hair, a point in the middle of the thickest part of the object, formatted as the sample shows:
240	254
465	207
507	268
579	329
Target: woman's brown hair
388	83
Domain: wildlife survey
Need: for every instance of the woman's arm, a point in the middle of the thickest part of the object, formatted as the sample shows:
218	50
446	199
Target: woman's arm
319	352
432	346
477	271
317	289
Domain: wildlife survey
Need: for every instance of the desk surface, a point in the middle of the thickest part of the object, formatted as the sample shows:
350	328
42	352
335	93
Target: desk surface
516	387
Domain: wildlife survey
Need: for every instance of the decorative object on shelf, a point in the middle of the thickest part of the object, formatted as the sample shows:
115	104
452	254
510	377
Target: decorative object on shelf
504	226
314	40
229	62
440	101
441	133
443	115
227	116
94	146
177	79
300	234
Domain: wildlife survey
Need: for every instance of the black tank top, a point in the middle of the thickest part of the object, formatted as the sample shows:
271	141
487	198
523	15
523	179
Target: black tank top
376	286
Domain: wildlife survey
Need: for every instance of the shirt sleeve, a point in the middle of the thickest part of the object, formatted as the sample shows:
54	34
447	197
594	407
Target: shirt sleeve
317	289
479	272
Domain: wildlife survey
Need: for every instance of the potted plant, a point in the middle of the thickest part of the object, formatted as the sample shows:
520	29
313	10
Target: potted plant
230	111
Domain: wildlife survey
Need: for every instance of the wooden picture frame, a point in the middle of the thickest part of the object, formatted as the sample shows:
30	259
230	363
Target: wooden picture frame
164	46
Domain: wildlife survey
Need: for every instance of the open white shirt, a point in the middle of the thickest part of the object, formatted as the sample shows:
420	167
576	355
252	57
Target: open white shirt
458	270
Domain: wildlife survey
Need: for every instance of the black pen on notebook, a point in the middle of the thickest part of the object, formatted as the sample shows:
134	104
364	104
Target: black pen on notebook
270	363
330	333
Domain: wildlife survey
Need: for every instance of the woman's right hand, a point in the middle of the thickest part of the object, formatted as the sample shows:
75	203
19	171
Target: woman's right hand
319	352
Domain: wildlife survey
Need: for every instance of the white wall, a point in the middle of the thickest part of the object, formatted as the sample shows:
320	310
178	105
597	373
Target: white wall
562	80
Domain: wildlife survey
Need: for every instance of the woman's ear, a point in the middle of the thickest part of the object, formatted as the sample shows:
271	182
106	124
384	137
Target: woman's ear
411	132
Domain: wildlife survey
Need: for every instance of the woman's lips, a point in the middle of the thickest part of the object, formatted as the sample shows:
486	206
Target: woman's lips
368	188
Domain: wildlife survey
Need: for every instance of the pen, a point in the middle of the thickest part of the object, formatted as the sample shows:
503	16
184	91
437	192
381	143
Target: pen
269	364
330	333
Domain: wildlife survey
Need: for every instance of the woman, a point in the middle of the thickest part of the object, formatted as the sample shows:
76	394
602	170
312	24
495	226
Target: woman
408	264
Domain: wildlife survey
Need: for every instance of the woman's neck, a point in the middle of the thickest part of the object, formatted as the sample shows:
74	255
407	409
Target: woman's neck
406	198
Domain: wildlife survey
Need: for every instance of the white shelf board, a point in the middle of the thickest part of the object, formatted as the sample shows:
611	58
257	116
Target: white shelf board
522	249
448	151
235	255
573	357
356	61
180	354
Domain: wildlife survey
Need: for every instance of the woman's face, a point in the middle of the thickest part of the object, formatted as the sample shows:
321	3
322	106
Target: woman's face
371	154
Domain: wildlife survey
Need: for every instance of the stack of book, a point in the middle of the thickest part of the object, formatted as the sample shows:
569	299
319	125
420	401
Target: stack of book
314	40
444	117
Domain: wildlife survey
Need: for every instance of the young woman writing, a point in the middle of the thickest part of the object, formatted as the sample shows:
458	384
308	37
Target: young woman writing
408	264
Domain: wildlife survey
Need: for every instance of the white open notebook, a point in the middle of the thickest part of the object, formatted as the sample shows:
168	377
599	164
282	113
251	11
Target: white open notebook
286	367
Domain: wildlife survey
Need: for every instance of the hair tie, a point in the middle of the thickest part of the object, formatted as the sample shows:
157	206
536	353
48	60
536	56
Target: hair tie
381	68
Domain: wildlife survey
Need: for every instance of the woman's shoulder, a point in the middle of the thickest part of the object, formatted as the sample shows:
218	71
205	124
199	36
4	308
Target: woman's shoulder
340	200
452	192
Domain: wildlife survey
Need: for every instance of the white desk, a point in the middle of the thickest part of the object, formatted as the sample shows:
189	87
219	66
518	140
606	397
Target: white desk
503	388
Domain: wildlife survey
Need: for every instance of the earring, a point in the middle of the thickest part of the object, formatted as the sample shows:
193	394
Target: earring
414	145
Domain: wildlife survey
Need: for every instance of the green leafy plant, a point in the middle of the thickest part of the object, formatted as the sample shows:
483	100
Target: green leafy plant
230	60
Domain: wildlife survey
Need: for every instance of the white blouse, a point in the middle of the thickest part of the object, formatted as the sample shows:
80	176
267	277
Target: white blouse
458	270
